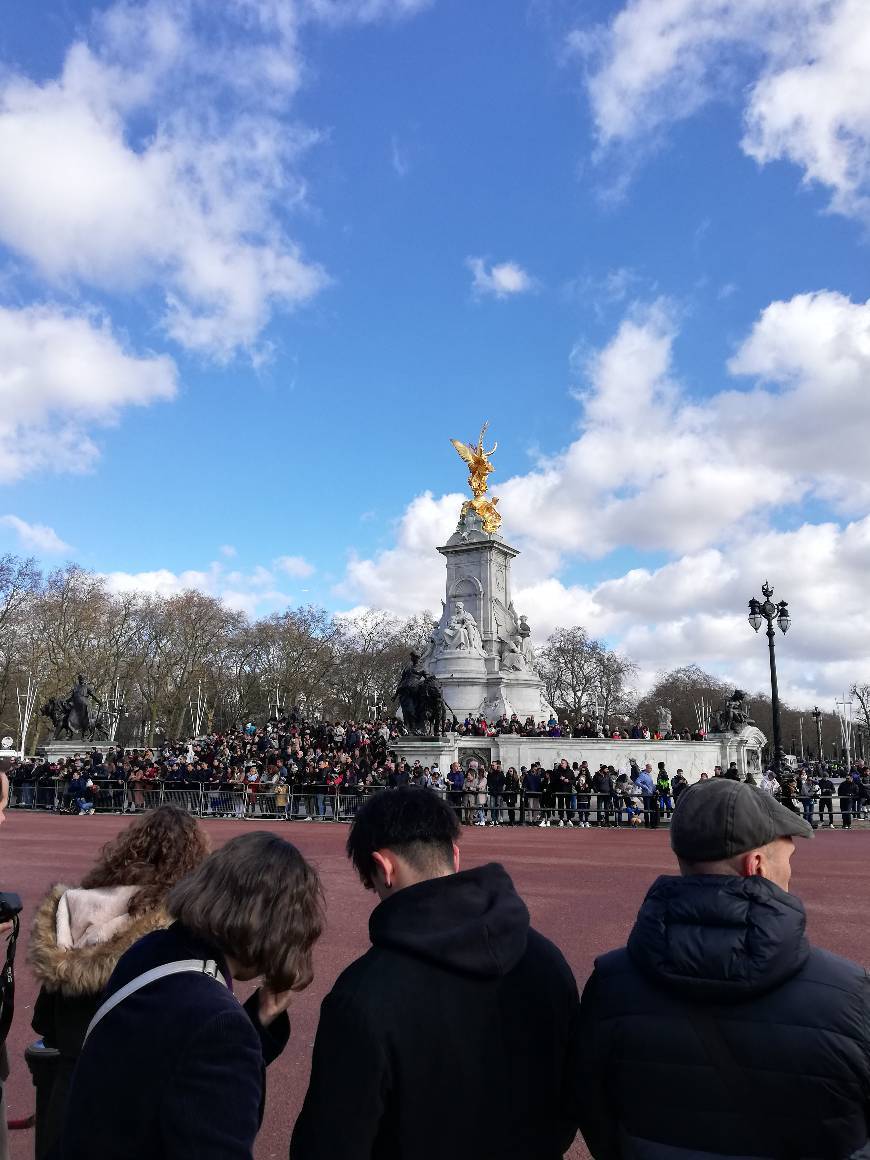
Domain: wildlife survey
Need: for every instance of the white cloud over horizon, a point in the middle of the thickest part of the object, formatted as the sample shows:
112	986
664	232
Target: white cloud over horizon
255	591
802	68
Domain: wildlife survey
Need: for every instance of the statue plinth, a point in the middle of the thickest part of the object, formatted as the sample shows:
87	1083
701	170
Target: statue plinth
458	663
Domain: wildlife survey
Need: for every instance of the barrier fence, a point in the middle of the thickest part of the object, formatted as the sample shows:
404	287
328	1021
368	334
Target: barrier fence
328	803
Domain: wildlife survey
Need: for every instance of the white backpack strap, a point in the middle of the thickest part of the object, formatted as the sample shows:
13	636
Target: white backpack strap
181	966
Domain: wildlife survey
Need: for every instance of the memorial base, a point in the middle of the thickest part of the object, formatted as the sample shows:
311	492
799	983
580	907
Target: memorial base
55	750
693	757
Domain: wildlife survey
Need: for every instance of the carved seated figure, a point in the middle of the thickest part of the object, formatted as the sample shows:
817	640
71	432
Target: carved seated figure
516	648
461	631
512	659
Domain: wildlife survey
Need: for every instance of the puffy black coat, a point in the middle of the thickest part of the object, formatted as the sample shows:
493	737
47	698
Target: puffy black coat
796	1020
455	1029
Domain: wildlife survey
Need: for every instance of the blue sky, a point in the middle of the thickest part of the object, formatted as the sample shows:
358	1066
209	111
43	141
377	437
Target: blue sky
259	261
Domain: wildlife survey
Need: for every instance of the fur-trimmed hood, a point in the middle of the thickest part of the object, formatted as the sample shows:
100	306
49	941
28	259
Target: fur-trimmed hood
81	970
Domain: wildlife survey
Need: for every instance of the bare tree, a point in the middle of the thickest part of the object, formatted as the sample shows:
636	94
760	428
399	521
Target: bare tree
578	672
680	690
861	693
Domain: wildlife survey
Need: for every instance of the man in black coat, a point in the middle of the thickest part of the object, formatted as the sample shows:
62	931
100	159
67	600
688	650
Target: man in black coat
826	794
719	1031
455	1024
604	786
495	788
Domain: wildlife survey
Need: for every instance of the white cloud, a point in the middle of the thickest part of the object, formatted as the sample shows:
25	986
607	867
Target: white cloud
295	566
162	187
363	11
38	537
168	130
655	468
61	374
256	591
398	158
499	281
406	578
802	66
228	551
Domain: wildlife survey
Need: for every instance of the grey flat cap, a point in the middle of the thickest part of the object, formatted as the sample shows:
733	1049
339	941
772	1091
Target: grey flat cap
721	818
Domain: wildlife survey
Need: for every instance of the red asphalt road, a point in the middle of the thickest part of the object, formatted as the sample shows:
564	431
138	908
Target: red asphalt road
583	889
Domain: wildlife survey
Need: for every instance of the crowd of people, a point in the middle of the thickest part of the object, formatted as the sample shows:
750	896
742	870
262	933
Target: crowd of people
586	726
717	1031
294	769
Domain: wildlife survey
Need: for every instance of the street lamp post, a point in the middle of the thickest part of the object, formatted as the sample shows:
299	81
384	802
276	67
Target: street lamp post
759	611
817	717
844	712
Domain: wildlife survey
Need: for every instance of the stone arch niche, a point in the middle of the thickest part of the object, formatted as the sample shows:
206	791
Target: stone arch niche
469	590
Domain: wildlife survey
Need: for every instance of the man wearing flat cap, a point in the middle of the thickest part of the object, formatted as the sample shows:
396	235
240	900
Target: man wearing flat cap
718	1031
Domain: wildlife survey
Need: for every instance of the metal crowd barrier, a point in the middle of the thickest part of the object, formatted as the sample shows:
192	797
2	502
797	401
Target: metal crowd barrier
312	802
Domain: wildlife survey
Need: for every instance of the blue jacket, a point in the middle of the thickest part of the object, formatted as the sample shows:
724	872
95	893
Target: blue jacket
795	1019
194	1061
645	783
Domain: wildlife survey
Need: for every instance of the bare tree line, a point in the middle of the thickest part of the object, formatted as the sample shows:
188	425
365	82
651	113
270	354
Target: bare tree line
156	652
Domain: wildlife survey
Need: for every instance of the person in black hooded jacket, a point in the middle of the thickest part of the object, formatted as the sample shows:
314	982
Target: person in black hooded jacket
455	1024
764	1039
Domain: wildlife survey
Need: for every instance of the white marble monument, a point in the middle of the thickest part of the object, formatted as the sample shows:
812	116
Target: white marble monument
480	650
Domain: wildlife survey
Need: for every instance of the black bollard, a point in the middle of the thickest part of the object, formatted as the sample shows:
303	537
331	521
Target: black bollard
42	1062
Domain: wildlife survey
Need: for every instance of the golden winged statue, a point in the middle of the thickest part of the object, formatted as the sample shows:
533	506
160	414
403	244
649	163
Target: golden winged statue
479	467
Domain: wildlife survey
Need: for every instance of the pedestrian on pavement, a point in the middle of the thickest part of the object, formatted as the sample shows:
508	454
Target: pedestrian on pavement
455	1025
646	785
679	783
846	791
718	985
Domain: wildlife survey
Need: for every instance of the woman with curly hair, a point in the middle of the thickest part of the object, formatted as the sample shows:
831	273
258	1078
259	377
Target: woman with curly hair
79	934
253	910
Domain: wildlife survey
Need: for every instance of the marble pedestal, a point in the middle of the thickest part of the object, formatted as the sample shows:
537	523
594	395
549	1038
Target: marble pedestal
693	757
55	750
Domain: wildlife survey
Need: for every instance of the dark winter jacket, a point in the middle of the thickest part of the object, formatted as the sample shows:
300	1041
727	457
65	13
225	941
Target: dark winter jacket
846	791
495	781
602	783
192	1061
71	980
532	783
456	1025
796	1020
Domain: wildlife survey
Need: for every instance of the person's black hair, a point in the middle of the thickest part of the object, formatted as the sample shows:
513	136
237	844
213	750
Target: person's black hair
415	823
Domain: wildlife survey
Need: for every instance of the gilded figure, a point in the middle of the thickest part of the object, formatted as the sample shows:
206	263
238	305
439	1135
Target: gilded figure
479	467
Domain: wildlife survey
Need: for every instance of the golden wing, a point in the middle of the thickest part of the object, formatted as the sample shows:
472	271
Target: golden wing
467	454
